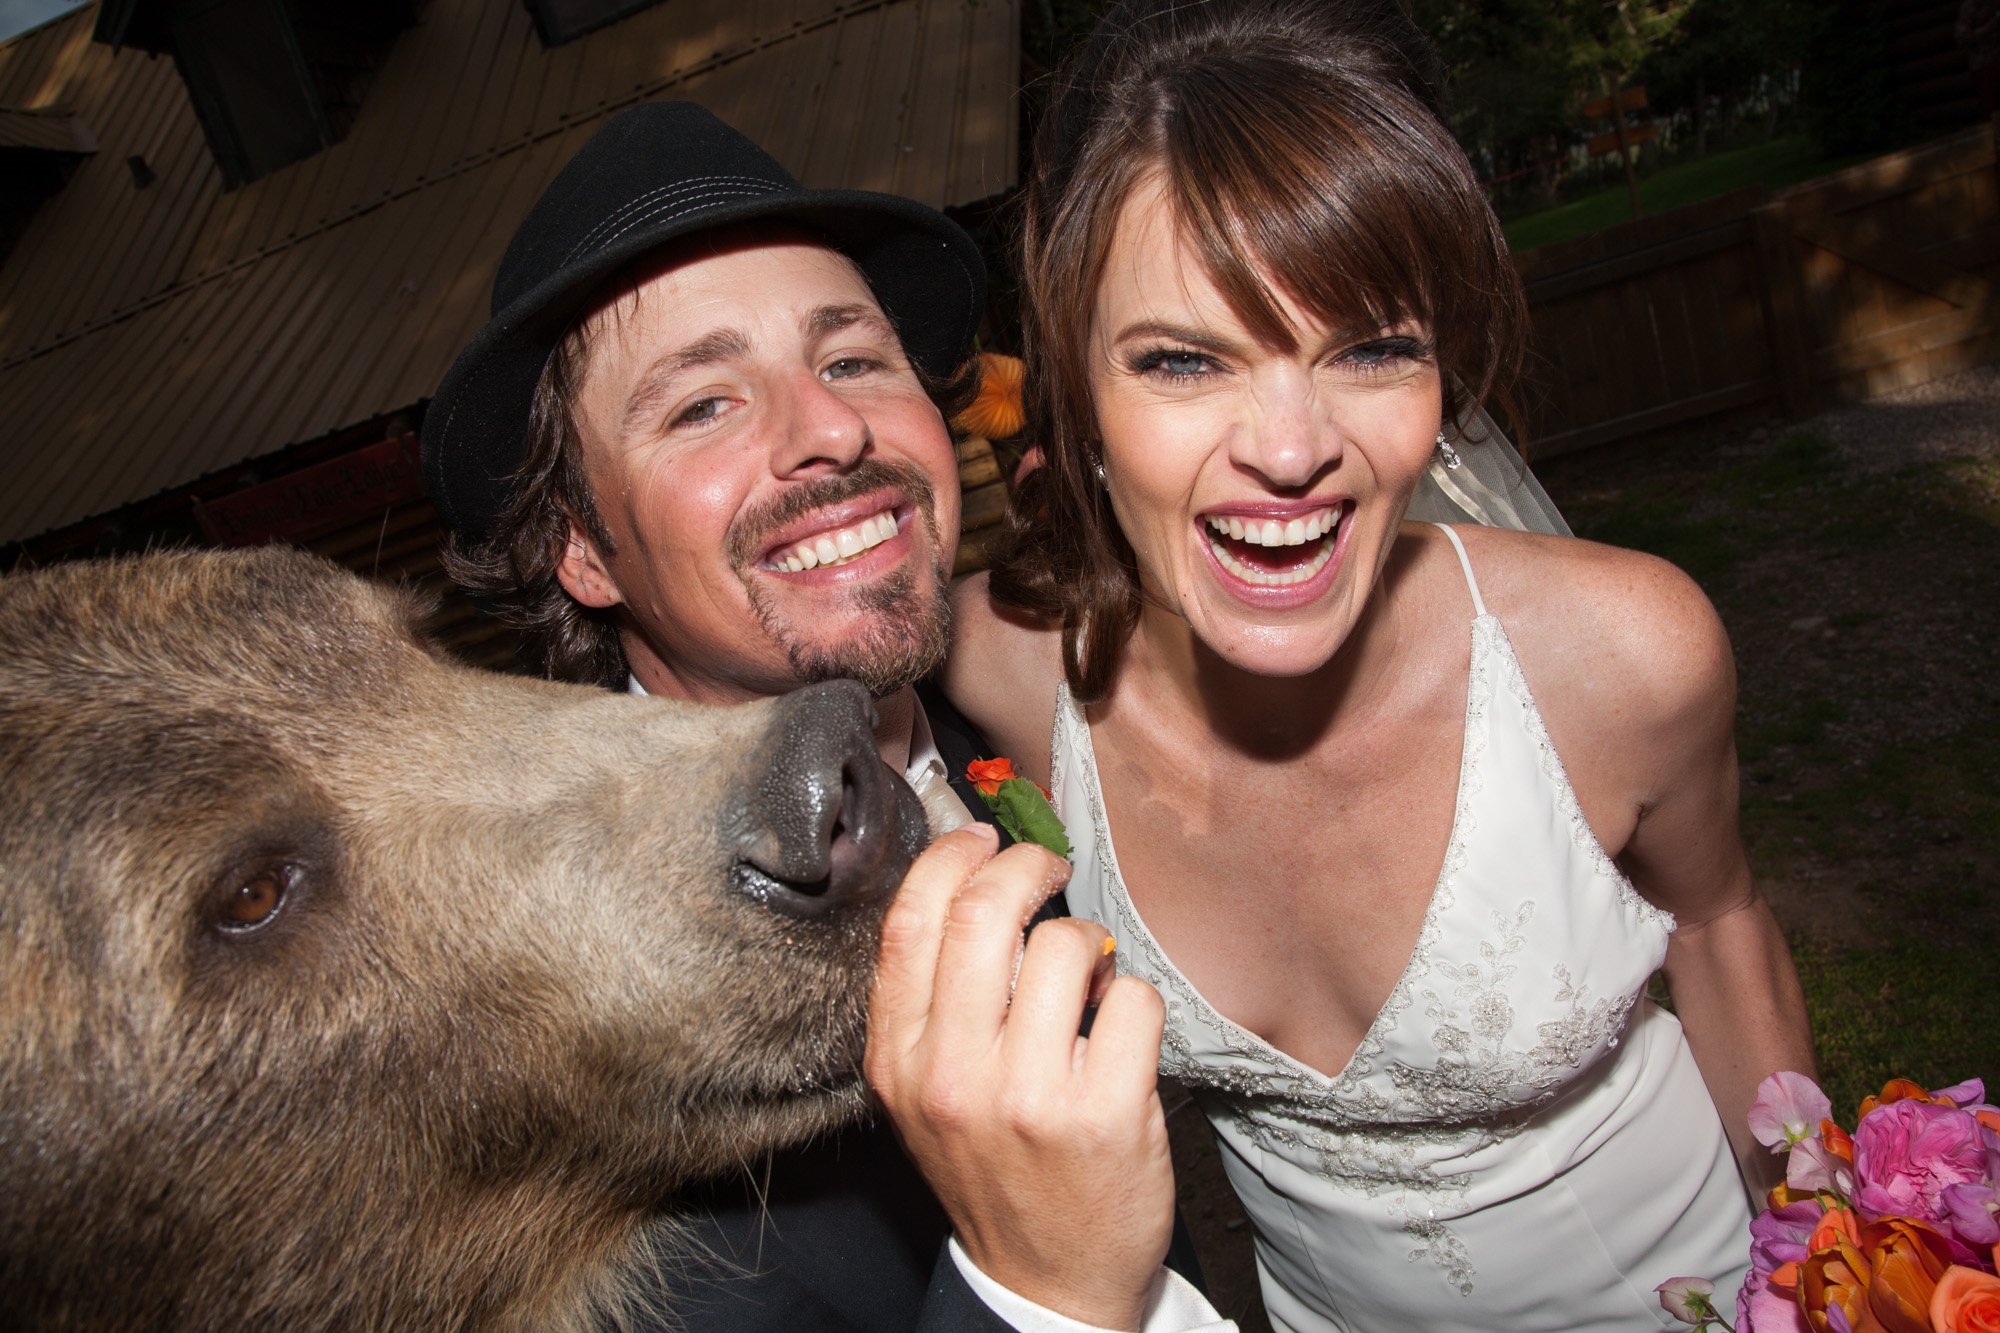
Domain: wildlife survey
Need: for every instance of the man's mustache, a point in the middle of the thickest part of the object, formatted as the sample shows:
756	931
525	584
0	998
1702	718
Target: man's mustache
752	529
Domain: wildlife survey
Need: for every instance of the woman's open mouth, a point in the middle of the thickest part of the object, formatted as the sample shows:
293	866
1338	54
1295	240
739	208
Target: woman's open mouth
1275	550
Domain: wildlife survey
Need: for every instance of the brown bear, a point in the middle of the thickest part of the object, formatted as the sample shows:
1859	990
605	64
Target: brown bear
345	987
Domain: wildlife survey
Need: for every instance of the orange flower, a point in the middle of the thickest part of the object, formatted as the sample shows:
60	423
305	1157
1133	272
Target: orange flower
1966	1301
1834	1277
997	412
1900	1090
1836	1225
1837	1141
988	774
1990	1119
1907	1259
1783	1196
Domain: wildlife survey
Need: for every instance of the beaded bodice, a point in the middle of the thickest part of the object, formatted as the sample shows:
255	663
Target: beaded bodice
1531	956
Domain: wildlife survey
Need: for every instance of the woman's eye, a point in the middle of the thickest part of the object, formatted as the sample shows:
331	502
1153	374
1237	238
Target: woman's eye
846	368
1175	365
1384	352
256	900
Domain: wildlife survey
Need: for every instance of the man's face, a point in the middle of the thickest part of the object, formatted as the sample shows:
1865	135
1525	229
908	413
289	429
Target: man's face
781	493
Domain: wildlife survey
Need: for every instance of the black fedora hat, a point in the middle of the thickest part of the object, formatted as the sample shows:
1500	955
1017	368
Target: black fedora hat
656	172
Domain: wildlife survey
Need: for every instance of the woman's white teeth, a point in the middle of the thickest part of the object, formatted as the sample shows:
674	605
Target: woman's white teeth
833	548
1271	578
1270	532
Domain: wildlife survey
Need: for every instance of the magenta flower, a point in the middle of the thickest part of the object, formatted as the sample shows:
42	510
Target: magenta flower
1969	1094
1762	1310
1777	1237
1788	1108
1969	1215
1909	1152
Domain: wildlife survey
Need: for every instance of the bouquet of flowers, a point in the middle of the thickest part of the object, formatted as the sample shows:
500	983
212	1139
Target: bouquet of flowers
1890	1229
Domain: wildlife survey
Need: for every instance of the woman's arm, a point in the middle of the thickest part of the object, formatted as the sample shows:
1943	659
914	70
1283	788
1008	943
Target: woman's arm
1728	968
1002	673
1739	999
1643	708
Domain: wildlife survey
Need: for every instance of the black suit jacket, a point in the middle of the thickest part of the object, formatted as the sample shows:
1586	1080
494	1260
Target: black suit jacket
842	1234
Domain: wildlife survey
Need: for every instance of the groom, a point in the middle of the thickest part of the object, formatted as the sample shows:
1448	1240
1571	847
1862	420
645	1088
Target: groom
699	451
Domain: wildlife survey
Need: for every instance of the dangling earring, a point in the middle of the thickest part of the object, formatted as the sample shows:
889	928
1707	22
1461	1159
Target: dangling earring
1102	480
1445	452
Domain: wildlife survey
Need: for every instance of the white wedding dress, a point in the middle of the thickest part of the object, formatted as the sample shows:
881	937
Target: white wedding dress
1522	1140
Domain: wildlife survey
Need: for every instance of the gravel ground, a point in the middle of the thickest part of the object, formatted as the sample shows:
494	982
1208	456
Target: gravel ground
1856	563
1945	420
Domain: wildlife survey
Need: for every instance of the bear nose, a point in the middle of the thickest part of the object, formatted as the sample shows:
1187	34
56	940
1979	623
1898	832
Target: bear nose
829	823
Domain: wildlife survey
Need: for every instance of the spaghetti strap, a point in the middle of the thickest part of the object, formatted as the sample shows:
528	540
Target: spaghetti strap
1478	603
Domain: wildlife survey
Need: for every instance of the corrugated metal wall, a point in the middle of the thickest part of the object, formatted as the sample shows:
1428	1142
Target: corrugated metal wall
150	335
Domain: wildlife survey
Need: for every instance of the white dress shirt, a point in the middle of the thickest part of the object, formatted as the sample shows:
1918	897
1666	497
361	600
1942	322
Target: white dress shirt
1173	1305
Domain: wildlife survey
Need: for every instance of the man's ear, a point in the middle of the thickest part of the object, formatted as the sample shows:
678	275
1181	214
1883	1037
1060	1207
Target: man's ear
582	573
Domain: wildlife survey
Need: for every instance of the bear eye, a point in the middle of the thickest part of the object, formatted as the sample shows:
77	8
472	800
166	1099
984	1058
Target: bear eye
257	899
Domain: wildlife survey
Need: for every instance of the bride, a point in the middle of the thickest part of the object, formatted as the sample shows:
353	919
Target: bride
1399	818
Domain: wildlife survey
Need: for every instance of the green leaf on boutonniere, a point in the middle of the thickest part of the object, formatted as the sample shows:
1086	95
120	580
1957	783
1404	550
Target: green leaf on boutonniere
1018	805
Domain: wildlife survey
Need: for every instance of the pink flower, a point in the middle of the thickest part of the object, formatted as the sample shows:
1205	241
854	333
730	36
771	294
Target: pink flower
1777	1237
1816	1167
1788	1108
1688	1299
1908	1153
1968	1215
1762	1310
1969	1094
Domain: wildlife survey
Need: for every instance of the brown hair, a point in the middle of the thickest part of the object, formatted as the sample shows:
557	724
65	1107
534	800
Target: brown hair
513	568
1298	139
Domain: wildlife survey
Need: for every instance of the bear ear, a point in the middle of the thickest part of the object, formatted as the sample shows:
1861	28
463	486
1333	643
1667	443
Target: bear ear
415	612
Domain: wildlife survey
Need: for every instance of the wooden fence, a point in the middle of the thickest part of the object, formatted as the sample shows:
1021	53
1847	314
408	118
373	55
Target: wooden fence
1883	275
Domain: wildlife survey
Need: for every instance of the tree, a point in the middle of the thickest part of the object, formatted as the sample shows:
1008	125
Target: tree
1521	70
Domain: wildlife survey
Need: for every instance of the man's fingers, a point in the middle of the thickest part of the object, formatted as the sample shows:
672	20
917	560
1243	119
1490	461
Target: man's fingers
982	940
912	929
1124	1051
1049	996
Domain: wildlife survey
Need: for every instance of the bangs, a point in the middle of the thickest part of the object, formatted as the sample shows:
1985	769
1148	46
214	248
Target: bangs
1300	148
1348	199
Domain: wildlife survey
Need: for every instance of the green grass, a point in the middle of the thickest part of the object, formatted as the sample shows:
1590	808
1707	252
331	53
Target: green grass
1773	165
1906	1010
1904	834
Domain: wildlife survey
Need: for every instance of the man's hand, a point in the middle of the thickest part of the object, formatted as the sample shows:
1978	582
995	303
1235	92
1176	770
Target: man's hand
1049	1150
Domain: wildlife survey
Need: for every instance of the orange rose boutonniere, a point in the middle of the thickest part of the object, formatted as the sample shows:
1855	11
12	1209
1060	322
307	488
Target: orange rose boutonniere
988	774
1018	805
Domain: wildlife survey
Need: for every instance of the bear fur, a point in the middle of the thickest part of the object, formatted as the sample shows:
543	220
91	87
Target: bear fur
513	992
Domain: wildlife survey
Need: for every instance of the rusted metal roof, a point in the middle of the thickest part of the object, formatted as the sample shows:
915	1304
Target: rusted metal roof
150	335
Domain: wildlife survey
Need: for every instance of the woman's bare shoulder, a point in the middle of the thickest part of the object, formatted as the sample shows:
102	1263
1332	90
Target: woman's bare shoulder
1002	672
1619	632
